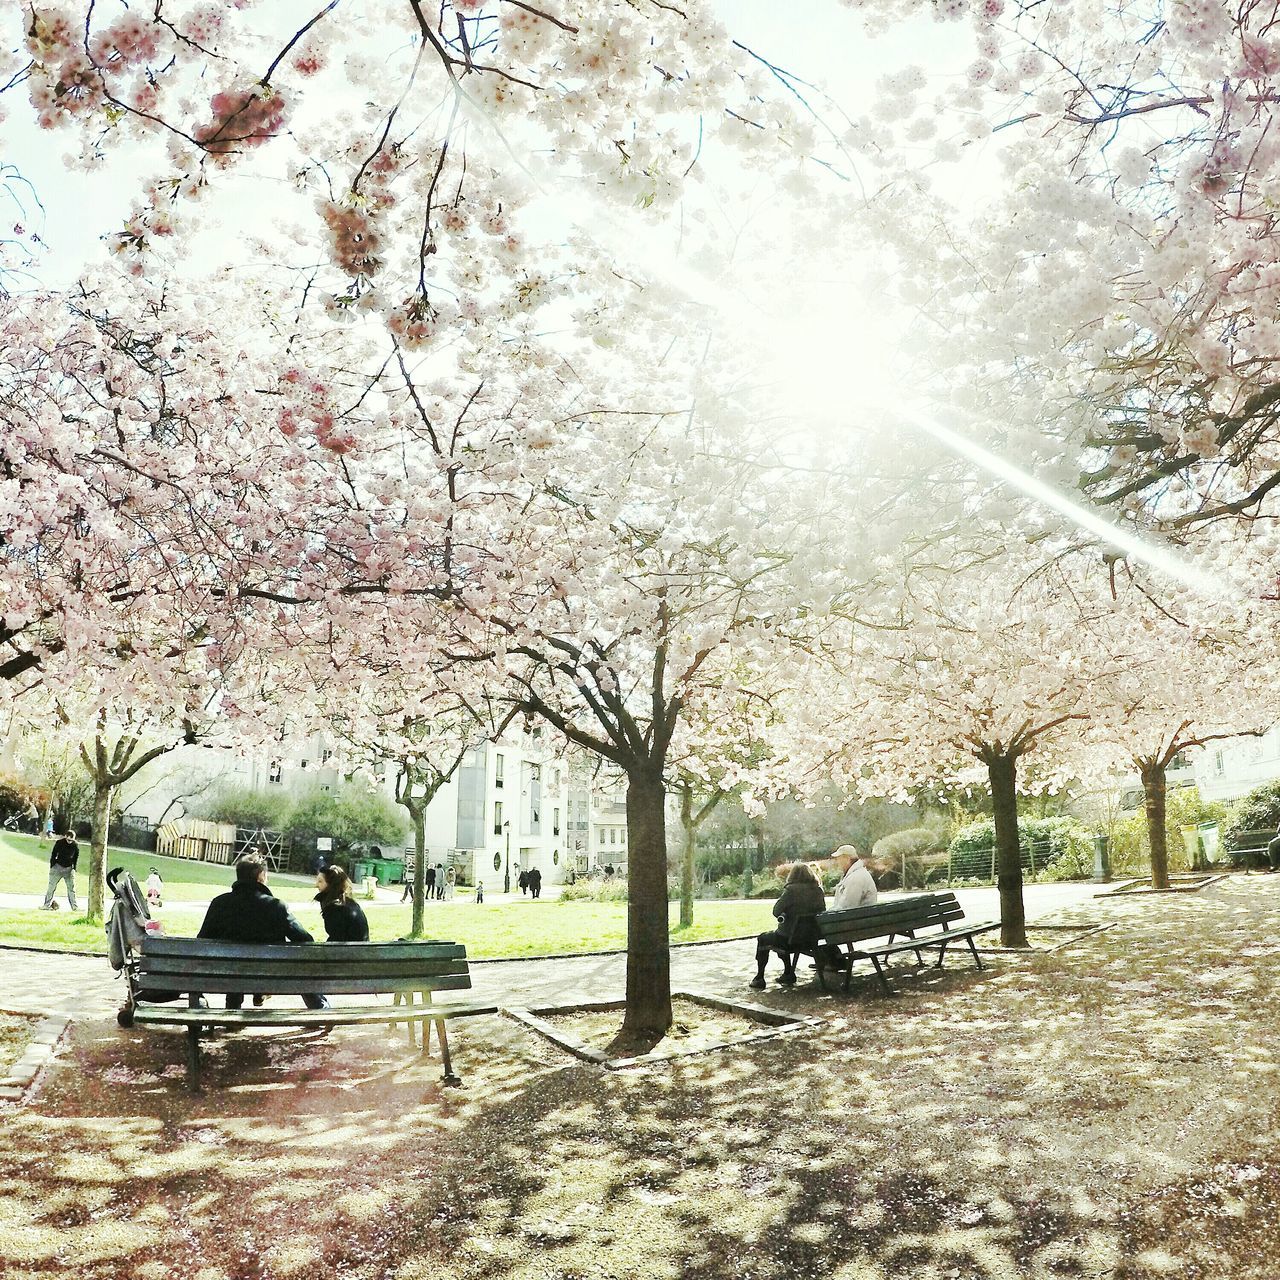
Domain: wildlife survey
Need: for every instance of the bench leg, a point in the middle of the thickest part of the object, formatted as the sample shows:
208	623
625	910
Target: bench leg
443	1036
973	947
848	968
405	997
193	1058
426	1039
880	973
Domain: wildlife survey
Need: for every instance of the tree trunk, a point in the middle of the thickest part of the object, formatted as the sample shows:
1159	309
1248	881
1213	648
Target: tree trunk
418	813
102	792
1153	791
758	862
686	865
1003	773
648	1015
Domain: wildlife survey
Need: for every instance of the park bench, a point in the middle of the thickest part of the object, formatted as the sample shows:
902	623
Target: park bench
196	967
929	922
1250	847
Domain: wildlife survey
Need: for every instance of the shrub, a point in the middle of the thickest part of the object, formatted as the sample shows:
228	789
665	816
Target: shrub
1183	808
353	816
1258	811
245	807
17	795
907	854
614	889
1051	849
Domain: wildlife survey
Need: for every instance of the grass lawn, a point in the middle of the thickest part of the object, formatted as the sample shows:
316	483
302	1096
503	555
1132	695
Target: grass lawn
24	868
523	928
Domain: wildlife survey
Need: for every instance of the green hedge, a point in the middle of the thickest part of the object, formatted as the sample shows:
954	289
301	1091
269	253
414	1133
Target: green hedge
1258	811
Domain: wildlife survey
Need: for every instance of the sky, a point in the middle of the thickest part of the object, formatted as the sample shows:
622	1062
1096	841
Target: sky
827	47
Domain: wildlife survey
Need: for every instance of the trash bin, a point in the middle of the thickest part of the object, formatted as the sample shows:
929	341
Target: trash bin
386	870
1102	859
1208	842
361	869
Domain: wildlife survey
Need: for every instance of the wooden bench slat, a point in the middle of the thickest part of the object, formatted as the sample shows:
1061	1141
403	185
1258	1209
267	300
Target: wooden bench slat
273	984
302	966
335	953
340	1015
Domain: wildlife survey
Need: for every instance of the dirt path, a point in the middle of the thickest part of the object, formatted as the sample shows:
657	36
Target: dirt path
1104	1111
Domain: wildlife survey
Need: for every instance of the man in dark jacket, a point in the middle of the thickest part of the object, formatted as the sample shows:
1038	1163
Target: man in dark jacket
62	866
252	913
535	882
798	908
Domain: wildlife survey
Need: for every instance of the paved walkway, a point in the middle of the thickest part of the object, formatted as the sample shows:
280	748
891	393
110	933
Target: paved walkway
85	986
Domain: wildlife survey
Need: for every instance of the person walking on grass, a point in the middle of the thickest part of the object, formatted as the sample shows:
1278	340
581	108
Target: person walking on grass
62	866
798	909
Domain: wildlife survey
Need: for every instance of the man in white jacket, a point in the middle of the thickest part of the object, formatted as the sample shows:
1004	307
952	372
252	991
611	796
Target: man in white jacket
856	887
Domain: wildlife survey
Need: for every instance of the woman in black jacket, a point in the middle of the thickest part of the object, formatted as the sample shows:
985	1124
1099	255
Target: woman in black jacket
798	908
343	917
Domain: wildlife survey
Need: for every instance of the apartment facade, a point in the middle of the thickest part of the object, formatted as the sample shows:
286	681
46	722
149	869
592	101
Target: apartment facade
513	804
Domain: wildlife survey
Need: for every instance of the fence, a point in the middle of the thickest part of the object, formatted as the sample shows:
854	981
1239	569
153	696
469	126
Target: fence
980	863
197	839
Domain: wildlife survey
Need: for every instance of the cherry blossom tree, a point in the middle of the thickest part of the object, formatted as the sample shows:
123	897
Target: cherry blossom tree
1188	678
965	664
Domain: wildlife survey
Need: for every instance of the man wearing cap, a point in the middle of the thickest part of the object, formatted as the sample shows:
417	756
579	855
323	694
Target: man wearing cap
856	887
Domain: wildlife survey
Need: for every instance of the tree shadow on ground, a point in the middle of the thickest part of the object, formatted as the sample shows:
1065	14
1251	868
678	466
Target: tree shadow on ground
1103	1111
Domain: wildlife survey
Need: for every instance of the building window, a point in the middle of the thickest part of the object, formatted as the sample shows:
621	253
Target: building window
497	817
325	756
555	857
498	770
497	862
557	781
275	771
535	773
555	822
613	835
302	764
1219	764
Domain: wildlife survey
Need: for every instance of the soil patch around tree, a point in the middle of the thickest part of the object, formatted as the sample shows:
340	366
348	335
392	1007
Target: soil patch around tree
702	1024
1185	883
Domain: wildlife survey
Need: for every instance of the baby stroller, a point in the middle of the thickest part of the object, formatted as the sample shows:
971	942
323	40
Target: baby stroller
127	925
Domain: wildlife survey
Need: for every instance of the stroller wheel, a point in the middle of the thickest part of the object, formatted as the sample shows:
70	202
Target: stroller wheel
125	1015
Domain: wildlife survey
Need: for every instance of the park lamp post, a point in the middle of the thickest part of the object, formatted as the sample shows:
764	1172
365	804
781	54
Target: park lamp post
506	875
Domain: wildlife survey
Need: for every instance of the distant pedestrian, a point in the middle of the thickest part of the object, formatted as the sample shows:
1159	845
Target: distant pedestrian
155	889
62	866
440	880
431	883
48	827
479	890
535	883
450	879
523	882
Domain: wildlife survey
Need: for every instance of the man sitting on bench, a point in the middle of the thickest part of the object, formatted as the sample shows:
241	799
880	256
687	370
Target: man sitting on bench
856	887
252	913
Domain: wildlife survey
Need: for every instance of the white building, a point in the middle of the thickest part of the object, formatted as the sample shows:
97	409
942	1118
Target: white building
514	803
1232	768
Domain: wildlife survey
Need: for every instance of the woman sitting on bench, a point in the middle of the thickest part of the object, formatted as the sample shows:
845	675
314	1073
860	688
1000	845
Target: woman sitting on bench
344	919
798	908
